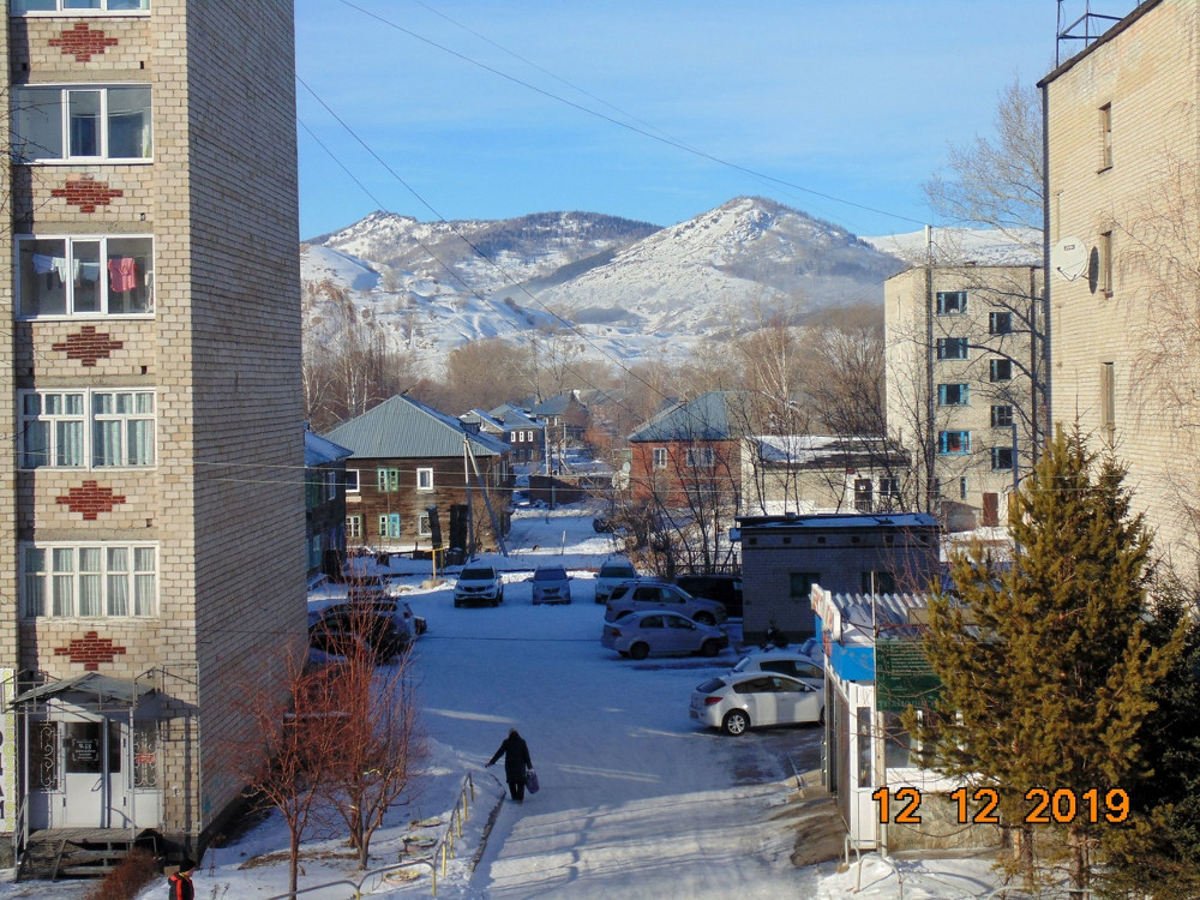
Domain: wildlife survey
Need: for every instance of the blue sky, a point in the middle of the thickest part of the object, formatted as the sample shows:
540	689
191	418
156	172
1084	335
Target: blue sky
856	99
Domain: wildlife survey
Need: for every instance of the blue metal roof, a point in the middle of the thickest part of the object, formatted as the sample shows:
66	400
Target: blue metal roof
402	428
321	452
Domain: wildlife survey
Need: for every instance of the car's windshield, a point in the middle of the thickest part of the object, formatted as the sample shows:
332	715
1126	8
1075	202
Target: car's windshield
617	572
550	575
477	574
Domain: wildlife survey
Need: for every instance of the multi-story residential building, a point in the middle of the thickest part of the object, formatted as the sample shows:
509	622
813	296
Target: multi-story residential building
1121	203
965	384
152	562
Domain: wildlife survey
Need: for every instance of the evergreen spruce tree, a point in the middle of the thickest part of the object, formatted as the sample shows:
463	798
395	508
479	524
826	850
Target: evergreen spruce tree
1047	674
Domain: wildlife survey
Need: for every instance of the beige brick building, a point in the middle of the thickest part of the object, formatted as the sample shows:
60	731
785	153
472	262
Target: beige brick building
152	562
1125	330
960	372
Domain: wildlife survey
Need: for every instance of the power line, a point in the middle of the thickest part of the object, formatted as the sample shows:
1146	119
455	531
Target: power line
668	141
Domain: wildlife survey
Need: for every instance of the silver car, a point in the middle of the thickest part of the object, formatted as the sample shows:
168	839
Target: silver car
636	596
551	584
662	633
736	702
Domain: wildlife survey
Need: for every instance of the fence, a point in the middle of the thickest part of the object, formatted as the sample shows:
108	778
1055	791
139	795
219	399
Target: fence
443	852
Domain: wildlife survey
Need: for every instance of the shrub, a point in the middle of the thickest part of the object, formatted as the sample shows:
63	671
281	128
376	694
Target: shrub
133	873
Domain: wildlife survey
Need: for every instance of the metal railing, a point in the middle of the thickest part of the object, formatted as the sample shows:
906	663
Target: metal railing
439	859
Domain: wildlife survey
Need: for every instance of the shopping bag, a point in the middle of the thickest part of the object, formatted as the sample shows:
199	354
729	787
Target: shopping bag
531	782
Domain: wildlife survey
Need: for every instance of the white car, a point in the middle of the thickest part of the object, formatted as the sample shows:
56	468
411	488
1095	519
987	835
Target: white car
783	662
613	571
479	585
661	632
640	596
734	703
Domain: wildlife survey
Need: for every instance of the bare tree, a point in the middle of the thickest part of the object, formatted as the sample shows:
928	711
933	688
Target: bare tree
997	182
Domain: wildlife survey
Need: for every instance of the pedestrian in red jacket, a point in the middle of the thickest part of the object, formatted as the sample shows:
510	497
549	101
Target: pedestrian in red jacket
181	882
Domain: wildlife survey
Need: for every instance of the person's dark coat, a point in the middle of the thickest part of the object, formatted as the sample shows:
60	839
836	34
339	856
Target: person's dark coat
516	757
180	885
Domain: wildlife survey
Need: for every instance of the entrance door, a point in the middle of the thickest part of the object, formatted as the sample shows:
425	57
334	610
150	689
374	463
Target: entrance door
93	781
991	510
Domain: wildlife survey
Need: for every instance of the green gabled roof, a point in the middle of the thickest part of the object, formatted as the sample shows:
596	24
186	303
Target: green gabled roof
706	418
402	428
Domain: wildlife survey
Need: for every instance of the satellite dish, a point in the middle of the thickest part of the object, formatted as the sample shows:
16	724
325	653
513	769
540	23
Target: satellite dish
1069	258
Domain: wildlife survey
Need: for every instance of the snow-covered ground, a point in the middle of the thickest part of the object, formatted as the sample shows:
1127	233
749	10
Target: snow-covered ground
636	800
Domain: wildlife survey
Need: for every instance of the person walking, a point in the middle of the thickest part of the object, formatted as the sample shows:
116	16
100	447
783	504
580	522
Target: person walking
516	763
180	882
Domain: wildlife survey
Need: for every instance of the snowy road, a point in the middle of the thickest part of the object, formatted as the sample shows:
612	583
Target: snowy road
636	800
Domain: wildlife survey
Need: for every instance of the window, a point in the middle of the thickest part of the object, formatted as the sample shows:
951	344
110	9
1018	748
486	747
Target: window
1105	273
700	457
865	748
660	457
20	7
1002	459
529	436
354	527
352	481
387	480
55	123
1000	369
953	394
889	488
1106	159
877	582
1108	406
951	303
424	526
800	585
331	483
94	580
863	494
951	348
964	487
389	525
424	479
56	429
1000	323
85	276
954	442
1002	416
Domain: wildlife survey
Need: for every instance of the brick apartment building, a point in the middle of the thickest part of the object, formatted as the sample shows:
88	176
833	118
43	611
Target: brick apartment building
152	501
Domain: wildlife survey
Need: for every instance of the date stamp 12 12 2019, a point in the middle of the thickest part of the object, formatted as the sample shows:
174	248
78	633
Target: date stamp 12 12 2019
980	806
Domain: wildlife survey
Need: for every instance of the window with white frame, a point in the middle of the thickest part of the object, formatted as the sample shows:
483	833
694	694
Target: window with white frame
53	123
89	580
424	479
952	348
424	527
659	455
387	480
84	276
76	7
951	303
954	394
352	481
389	525
354	527
57	428
700	457
1000	369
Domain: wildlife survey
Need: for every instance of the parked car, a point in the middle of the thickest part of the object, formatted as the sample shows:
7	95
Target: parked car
551	584
638	634
324	593
339	628
477	585
783	662
634	596
725	589
734	703
613	571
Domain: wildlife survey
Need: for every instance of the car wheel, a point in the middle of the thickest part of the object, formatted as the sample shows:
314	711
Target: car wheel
639	650
736	723
710	648
457	603
500	597
705	618
821	717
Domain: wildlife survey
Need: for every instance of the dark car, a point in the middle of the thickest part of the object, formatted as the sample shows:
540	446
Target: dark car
340	629
725	589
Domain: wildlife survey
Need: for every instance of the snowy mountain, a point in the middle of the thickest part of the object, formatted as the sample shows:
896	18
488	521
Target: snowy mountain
632	289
